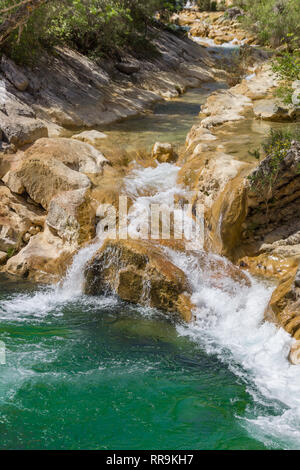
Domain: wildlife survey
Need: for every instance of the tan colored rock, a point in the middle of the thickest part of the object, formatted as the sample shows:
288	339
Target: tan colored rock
224	106
94	138
44	259
44	178
16	217
199	134
201	30
256	88
71	217
78	156
3	257
139	272
294	356
271	110
22	130
52	166
164	153
13	182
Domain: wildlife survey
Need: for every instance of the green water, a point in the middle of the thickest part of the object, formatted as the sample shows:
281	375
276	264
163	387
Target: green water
169	121
91	375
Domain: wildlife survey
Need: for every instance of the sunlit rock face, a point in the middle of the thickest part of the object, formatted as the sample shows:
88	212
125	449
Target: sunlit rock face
139	272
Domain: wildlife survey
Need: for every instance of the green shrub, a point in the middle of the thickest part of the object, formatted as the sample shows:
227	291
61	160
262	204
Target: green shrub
287	68
276	22
275	149
93	27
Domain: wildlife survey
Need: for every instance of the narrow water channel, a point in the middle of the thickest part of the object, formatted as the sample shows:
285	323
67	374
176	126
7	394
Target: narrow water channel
96	373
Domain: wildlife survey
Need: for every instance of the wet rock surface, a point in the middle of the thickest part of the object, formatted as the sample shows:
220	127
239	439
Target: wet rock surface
139	272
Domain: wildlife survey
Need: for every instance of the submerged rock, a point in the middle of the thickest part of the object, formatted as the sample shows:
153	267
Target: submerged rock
139	272
90	137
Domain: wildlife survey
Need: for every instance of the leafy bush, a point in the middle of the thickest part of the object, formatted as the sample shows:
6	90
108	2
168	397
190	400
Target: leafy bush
287	68
93	27
275	149
276	22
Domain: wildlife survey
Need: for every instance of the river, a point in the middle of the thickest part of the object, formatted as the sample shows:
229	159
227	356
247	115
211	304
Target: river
96	373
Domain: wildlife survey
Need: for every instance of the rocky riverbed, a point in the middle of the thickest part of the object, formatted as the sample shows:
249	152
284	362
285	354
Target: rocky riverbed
52	184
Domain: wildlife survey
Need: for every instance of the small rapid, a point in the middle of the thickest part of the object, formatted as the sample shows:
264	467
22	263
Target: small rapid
229	317
229	322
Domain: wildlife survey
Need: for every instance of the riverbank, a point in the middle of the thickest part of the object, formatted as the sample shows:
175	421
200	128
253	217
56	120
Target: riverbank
140	315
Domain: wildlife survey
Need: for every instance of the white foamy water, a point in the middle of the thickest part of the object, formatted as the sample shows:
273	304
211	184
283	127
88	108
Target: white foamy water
49	298
233	44
229	317
144	186
229	322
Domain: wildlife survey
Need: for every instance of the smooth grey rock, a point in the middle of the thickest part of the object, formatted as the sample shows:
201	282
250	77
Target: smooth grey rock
14	74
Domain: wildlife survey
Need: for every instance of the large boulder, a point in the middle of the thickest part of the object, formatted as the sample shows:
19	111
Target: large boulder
52	166
18	121
21	131
79	156
139	272
44	259
45	178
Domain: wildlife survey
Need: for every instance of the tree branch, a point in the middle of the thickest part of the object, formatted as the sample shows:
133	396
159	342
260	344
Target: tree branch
19	17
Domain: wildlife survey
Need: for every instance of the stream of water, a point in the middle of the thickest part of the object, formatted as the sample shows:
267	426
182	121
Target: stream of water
96	373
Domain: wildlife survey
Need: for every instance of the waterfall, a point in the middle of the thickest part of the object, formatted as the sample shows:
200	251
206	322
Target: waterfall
229	317
190	5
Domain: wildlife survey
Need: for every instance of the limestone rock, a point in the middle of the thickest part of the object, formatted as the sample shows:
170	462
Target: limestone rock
270	110
201	30
44	259
45	178
139	272
294	356
79	156
52	166
14	74
16	218
13	182
22	130
94	138
164	153
259	85
224	106
71	217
